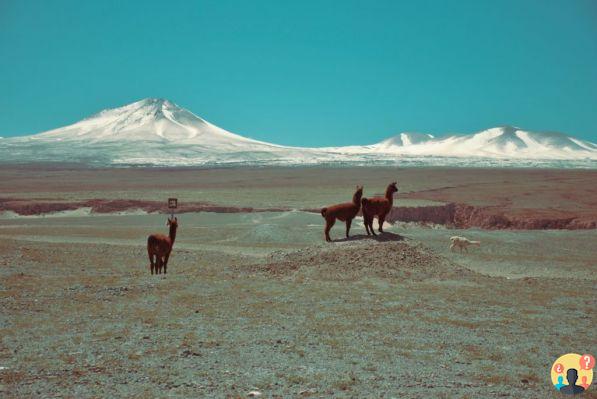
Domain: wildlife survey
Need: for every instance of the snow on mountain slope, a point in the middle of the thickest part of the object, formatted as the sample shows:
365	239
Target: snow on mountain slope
158	132
153	132
501	142
405	139
155	120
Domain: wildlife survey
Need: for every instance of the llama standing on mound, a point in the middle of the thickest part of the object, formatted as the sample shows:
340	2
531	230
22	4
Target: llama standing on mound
345	212
379	207
160	246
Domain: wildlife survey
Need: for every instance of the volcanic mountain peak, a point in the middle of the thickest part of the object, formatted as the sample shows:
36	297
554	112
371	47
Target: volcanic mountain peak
147	120
156	131
503	142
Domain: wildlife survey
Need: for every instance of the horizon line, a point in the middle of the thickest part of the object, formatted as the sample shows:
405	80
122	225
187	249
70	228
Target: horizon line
398	133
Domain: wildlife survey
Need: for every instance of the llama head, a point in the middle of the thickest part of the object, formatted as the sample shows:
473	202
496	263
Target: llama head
356	198
393	188
173	222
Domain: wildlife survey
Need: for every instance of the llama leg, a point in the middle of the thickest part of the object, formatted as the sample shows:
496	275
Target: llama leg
348	223
150	255
371	225
328	226
380	220
366	221
166	263
452	247
159	264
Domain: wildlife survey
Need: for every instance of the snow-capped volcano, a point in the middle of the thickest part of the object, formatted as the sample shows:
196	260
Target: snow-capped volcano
500	142
159	132
153	120
147	132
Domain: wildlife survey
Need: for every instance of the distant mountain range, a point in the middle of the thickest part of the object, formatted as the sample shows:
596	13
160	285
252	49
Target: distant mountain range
157	132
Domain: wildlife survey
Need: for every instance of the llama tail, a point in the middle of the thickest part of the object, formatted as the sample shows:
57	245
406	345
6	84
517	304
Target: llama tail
323	211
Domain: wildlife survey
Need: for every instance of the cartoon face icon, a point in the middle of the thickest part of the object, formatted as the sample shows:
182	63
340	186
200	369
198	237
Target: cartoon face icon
572	373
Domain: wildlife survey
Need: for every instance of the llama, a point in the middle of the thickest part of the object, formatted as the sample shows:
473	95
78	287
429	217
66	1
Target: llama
379	207
344	212
462	243
160	246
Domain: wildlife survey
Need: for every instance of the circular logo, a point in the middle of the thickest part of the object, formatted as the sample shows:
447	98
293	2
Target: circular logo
573	373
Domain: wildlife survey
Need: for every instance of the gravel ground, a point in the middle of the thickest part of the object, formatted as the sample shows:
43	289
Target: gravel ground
257	302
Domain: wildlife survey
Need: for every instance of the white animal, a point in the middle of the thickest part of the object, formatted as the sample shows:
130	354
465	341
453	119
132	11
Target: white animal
462	243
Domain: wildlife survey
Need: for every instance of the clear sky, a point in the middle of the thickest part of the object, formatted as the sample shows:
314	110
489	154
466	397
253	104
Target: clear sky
306	72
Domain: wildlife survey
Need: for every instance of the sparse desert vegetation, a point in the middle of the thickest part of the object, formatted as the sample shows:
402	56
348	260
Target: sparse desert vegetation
257	301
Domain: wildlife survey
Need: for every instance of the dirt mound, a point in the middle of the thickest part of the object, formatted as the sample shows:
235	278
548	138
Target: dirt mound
392	258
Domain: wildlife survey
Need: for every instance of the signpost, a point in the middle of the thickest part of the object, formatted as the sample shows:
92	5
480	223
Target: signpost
172	205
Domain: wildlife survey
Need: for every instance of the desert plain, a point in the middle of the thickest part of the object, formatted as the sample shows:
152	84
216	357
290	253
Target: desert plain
255	300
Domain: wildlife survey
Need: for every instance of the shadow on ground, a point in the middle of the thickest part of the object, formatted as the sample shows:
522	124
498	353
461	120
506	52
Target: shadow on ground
380	237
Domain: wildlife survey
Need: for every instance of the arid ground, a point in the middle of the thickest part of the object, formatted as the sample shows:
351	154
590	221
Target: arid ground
486	198
256	301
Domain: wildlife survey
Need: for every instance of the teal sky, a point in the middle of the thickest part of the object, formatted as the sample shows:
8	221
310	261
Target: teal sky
306	72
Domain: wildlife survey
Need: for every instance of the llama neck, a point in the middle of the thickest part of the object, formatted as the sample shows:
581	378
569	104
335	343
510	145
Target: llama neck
356	199
390	196
172	234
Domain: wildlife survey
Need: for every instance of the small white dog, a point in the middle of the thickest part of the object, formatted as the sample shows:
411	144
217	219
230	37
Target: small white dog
462	243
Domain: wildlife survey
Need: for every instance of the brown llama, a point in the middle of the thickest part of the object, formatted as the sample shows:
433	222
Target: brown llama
379	207
344	212
160	246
